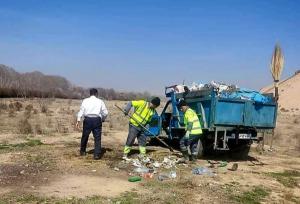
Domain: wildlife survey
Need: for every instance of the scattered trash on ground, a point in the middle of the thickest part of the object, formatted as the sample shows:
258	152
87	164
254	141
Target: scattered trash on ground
141	170
156	164
134	178
148	175
166	176
162	177
173	174
214	164
169	163
147	167
234	167
202	171
136	163
222	164
256	162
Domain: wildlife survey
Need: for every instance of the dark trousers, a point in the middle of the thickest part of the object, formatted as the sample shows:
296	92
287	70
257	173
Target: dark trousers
91	125
191	142
136	132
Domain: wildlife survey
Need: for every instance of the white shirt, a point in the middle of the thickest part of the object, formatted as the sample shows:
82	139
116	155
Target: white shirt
92	106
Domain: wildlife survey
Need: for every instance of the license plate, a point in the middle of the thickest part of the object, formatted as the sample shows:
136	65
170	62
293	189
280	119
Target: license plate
244	136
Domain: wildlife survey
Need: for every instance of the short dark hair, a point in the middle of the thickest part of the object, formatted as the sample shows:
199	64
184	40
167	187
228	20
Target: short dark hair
93	92
181	103
155	101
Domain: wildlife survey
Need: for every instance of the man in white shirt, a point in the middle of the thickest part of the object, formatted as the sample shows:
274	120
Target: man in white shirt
94	112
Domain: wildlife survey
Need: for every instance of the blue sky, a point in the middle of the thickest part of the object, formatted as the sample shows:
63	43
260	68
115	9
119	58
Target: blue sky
140	45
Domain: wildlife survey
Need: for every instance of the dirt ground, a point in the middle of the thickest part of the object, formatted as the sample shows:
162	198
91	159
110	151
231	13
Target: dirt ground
40	163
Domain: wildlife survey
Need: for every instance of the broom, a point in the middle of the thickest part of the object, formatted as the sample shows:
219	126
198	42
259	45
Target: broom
276	70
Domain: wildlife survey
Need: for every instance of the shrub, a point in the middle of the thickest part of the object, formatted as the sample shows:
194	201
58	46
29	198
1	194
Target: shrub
25	127
44	108
43	103
27	114
18	105
29	107
28	110
11	113
3	106
11	106
38	129
284	110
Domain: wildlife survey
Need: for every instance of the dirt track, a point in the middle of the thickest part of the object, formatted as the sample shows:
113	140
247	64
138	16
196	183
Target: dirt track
37	168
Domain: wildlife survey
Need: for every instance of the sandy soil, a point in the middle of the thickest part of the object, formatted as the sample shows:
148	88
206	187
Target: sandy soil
83	185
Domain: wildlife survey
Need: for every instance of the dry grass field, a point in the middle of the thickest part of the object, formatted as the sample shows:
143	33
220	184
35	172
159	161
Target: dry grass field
39	163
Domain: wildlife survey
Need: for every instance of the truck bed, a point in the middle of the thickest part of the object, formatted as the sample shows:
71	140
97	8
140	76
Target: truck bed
229	112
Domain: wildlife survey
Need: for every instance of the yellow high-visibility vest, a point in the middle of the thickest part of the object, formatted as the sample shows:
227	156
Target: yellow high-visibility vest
191	122
142	113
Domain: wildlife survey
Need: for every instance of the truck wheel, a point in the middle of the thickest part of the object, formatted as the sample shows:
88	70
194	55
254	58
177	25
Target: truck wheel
240	151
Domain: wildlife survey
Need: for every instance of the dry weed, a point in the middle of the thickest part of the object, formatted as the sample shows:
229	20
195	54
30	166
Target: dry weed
44	109
35	111
49	123
25	126
27	114
284	110
38	129
29	107
11	113
3	106
60	128
44	104
17	106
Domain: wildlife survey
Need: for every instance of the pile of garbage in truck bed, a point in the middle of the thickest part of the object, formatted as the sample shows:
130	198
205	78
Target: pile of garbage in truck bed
226	91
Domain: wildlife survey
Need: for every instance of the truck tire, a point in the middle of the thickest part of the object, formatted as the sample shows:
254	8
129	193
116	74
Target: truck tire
240	151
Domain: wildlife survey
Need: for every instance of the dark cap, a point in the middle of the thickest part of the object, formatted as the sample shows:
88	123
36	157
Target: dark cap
181	103
155	101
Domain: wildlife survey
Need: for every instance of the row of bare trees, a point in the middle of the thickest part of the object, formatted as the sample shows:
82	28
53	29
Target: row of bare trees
36	84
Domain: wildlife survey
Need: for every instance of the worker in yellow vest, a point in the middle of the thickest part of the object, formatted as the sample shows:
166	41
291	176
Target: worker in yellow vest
143	112
192	134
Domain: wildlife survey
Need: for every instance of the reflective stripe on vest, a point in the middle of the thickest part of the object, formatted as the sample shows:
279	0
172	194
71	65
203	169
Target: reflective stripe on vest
190	116
142	113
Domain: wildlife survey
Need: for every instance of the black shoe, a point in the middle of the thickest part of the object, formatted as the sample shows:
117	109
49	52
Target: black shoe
193	158
82	153
97	157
